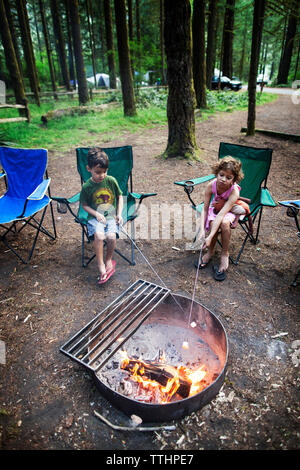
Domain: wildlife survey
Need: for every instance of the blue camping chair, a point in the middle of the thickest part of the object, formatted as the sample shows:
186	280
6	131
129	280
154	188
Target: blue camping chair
27	193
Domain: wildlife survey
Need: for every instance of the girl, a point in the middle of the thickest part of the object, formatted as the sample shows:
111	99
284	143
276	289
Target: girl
228	172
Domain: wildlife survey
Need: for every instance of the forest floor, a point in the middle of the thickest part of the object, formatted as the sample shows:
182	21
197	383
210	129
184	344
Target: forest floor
47	401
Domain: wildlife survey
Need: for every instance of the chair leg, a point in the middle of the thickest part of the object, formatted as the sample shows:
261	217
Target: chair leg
295	283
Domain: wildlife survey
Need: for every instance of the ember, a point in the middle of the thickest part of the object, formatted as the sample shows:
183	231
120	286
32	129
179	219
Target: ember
163	381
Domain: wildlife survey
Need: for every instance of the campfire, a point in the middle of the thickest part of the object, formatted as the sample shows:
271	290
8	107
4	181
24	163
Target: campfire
153	353
158	382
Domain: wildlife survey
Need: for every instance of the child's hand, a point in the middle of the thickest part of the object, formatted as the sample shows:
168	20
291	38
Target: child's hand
100	218
119	220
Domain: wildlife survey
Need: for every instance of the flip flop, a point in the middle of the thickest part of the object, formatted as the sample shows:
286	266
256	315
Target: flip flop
219	275
202	264
113	267
108	274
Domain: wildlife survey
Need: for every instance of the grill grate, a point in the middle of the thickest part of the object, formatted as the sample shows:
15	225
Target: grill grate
102	337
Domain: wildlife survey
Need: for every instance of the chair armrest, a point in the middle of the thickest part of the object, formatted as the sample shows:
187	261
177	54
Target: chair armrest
142	196
40	191
266	198
65	200
195	181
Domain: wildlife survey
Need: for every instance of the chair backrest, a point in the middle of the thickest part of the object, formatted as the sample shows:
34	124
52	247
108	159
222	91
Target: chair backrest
120	166
256	164
24	168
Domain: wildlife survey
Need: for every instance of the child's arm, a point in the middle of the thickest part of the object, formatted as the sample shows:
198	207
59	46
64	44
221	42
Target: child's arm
218	220
204	212
94	213
119	210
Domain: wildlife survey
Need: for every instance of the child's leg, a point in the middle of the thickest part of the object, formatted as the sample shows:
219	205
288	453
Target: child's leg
98	247
237	210
110	248
225	237
111	231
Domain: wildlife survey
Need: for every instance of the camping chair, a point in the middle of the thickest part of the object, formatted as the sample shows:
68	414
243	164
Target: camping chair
292	210
120	166
256	164
27	193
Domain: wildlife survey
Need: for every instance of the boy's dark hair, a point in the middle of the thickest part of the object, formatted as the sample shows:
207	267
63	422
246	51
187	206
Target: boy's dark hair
97	157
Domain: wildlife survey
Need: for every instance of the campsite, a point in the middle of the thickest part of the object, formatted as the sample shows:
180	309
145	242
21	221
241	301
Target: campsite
248	324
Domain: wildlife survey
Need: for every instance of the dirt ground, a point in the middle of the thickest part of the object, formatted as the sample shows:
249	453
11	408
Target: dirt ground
48	400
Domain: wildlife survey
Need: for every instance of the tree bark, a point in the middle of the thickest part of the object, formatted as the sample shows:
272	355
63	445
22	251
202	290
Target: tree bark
13	35
110	44
70	46
60	43
11	60
28	49
48	48
83	94
162	43
211	42
124	59
258	21
228	39
285	63
181	98
199	64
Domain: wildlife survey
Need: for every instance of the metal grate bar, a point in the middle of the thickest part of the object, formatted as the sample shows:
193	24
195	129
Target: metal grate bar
107	329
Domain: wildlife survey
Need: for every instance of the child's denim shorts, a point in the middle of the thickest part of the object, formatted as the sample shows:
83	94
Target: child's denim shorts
111	226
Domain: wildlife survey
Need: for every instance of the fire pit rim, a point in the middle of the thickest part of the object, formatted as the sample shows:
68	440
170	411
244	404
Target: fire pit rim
182	400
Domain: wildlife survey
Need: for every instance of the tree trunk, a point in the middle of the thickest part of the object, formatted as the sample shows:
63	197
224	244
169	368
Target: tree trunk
285	62
162	43
228	38
138	33
70	46
124	59
258	21
110	44
199	65
211	41
130	35
181	98
11	60
60	43
48	48
28	49
13	35
89	15
83	94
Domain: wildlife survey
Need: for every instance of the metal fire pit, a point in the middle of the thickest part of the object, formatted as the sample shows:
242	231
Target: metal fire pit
146	318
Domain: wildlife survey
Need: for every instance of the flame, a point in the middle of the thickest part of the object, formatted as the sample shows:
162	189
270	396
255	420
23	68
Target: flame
195	377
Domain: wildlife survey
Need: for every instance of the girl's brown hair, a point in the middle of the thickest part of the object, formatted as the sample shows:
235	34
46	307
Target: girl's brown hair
232	164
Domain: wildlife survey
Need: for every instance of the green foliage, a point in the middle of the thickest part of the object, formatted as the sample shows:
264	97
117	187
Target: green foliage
93	128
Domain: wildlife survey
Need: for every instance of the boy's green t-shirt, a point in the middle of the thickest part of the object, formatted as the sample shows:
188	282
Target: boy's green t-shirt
102	197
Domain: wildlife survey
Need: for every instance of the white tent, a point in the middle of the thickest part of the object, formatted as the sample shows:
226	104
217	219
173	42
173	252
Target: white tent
102	80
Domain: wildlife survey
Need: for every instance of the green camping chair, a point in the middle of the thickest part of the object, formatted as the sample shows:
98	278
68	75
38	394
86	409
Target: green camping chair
120	166
256	164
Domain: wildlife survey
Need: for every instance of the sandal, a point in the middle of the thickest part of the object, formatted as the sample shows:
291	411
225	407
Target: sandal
108	274
202	263
219	275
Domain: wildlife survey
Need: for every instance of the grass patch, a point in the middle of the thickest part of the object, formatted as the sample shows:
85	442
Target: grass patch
91	128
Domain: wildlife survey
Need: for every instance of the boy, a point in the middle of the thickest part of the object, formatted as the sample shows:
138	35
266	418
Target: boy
101	197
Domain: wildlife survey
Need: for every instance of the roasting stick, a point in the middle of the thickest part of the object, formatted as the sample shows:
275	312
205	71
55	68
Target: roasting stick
133	428
149	264
185	344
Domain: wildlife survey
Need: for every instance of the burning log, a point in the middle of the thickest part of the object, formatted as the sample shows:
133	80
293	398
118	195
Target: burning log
164	374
